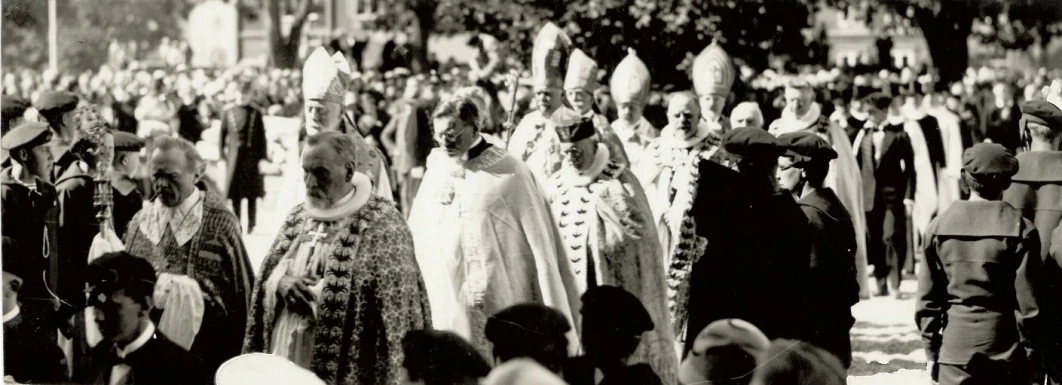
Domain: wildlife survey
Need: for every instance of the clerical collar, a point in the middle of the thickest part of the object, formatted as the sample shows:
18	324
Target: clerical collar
139	342
703	131
12	314
189	202
346	206
895	120
588	176
477	148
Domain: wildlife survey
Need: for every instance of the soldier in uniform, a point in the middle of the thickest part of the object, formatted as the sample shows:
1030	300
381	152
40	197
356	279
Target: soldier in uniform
126	197
630	86
30	212
12	110
59	110
803	172
979	281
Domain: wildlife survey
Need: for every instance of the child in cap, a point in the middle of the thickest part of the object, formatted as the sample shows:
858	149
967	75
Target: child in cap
725	352
614	321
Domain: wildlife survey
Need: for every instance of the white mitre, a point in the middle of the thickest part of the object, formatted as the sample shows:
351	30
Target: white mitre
322	78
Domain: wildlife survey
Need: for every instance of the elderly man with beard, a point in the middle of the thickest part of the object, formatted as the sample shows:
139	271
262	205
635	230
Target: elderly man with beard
608	232
483	231
193	240
670	171
803	114
324	85
340	287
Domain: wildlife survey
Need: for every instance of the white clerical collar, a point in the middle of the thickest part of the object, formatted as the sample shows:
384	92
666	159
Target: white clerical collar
189	202
349	204
895	119
12	314
479	139
703	131
588	176
139	342
789	122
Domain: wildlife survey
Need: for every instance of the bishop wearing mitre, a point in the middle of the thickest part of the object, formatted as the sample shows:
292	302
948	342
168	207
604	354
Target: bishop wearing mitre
630	86
557	70
608	232
484	235
713	75
325	81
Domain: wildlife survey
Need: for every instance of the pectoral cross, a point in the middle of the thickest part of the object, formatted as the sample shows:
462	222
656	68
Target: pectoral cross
317	236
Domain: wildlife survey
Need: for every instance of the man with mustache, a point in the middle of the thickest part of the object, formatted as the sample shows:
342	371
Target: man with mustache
608	232
483	232
340	287
193	240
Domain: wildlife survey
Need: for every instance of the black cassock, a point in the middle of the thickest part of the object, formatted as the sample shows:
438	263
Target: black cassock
158	362
243	144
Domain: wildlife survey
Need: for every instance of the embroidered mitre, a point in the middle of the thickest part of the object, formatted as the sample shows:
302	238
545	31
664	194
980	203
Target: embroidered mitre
322	79
712	72
630	81
582	72
549	57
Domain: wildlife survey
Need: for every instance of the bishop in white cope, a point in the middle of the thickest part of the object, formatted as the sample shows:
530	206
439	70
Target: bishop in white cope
483	232
340	286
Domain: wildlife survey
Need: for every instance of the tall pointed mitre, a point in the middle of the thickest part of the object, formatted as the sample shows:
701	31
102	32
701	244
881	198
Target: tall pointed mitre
630	81
343	66
582	72
549	57
712	72
321	78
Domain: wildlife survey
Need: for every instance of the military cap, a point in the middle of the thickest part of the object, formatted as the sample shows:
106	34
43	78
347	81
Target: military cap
807	147
126	142
26	135
750	142
1042	112
12	107
120	270
989	160
729	336
442	355
13	260
55	102
628	314
879	100
526	323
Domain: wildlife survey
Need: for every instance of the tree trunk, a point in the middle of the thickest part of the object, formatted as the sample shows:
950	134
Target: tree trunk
284	52
424	23
946	31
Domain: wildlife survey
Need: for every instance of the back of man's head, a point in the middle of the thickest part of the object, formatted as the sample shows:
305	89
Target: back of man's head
797	363
530	330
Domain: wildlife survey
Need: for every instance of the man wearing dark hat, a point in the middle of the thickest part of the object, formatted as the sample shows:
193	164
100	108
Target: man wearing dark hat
59	110
12	109
802	171
886	161
126	197
30	212
727	351
614	321
435	357
532	331
978	291
1035	191
30	355
121	291
760	269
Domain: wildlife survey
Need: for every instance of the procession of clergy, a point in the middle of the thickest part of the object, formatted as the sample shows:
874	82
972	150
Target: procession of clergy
579	252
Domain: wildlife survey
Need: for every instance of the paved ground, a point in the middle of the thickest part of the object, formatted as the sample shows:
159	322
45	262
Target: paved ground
885	341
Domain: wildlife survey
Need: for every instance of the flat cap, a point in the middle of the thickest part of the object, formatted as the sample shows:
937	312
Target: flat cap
442	356
1043	112
13	107
989	159
608	301
526	323
26	135
55	102
119	270
753	143
126	142
879	100
737	344
806	147
13	260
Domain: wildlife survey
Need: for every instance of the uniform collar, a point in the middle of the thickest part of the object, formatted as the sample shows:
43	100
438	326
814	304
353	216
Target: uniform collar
12	314
1039	166
994	219
139	342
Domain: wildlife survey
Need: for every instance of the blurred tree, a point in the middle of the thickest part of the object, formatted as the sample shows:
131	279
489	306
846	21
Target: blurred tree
284	45
86	28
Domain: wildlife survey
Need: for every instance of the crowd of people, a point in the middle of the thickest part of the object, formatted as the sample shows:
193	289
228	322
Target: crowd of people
431	236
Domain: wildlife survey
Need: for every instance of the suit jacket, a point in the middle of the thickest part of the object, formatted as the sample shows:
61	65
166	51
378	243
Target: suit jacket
30	218
890	179
158	362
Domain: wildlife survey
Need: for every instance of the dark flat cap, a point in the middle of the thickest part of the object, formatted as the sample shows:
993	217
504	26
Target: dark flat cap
526	323
1042	112
124	141
753	143
989	159
120	270
579	131
55	102
807	147
442	356
13	260
26	135
879	100
623	311
13	107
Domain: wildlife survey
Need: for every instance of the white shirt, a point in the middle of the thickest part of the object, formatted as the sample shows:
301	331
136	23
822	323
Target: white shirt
12	314
120	371
877	136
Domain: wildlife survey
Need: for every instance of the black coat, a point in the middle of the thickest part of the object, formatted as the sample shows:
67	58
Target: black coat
30	218
30	355
756	264
891	181
243	144
580	371
158	362
77	227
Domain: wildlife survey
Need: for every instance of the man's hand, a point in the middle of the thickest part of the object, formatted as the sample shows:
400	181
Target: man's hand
296	294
